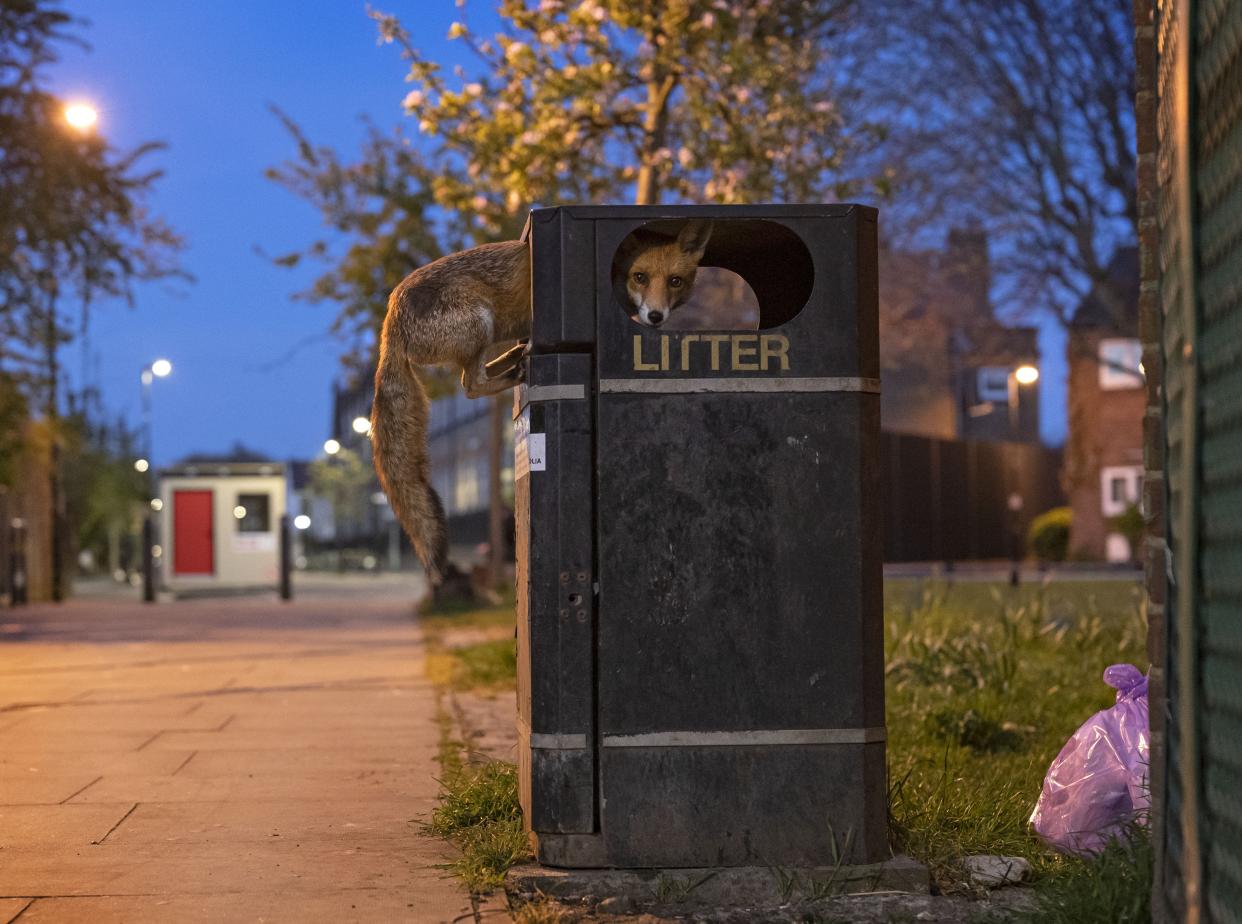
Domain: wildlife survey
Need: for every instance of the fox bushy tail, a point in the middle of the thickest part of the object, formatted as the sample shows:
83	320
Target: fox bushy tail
399	419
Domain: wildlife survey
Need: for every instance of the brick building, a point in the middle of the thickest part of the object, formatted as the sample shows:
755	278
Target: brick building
1103	468
948	362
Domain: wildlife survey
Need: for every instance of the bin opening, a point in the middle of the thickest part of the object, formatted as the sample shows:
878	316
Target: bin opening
754	275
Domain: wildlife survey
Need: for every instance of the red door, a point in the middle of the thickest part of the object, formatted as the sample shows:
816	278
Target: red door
193	551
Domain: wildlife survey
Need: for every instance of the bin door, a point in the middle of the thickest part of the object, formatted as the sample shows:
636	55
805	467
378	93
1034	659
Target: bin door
193	535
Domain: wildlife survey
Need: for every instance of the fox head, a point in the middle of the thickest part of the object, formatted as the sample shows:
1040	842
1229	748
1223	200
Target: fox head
659	271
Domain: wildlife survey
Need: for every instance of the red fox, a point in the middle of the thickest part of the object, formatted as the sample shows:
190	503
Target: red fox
453	311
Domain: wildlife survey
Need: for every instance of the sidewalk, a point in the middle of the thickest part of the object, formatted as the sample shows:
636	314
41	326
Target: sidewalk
219	760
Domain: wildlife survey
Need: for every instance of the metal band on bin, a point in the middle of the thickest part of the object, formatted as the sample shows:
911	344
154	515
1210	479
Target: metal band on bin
533	394
544	741
737	384
762	737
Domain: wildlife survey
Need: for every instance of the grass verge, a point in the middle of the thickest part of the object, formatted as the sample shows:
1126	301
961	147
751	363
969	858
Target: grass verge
984	685
478	809
1113	888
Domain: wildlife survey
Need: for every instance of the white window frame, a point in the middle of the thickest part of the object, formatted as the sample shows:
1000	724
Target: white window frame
1132	475
1120	360
984	386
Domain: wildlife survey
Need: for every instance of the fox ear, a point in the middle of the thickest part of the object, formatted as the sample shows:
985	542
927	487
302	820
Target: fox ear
694	236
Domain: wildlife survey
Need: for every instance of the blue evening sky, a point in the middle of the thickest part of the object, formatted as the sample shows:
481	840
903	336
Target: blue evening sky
200	77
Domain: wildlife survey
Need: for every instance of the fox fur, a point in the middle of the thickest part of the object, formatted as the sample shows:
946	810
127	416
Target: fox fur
455	310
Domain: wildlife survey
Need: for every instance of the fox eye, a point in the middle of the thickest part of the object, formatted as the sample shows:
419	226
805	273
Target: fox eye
640	278
675	282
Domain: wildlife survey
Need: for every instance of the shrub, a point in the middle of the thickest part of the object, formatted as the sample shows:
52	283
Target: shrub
1049	534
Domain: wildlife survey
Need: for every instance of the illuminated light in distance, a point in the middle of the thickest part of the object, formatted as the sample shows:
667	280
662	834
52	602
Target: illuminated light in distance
301	521
240	512
161	368
141	465
81	116
1026	375
331	447
362	425
156	504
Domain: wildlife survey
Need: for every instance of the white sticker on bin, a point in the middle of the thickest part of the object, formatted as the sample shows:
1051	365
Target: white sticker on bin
538	452
529	449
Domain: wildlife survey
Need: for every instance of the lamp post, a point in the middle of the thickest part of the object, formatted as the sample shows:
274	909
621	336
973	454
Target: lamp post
332	447
157	369
1021	377
81	117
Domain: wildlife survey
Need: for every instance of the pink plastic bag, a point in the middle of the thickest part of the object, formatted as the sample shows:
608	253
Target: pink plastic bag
1099	782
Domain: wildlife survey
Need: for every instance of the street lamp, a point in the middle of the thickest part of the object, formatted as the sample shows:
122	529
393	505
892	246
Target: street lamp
157	369
331	447
81	116
362	426
1021	377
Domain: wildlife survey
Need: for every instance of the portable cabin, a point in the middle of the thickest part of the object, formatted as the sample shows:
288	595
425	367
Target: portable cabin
220	525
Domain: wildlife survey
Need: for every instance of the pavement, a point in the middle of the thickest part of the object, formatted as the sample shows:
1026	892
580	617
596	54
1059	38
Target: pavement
233	759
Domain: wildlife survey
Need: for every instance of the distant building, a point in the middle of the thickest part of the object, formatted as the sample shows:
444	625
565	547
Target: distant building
1103	463
220	523
948	362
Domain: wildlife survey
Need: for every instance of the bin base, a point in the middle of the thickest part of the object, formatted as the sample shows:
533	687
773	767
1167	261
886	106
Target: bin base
754	887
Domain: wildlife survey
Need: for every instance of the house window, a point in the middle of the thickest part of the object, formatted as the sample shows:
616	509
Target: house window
992	383
1121	364
253	513
1121	486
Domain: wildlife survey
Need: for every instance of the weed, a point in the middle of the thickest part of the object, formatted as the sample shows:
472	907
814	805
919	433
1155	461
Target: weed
485	665
543	911
1111	888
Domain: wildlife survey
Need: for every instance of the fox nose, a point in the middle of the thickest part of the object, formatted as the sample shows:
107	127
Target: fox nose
655	317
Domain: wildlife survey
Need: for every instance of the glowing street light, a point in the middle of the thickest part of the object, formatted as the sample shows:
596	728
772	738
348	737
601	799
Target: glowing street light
1026	375
81	116
156	504
301	521
239	512
362	425
141	465
331	447
161	368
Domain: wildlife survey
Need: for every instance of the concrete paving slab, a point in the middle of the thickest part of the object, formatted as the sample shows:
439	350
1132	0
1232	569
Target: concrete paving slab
91	742
138	802
425	905
221	785
334	820
291	739
270	867
376	758
10	908
146	761
36	788
57	826
139	719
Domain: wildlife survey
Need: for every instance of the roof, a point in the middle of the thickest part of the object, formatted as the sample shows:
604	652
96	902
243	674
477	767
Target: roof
224	470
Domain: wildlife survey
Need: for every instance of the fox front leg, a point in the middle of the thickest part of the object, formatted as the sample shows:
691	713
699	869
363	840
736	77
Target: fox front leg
509	360
479	384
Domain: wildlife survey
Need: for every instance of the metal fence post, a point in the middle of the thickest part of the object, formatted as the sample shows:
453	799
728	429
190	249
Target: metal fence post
148	560
286	559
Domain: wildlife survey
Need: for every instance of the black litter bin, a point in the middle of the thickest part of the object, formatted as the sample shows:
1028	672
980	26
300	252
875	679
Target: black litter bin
698	547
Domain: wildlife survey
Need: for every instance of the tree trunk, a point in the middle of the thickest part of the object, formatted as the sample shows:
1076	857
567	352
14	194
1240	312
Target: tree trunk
655	130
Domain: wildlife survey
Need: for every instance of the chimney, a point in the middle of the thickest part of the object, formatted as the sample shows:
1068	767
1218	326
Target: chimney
967	272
